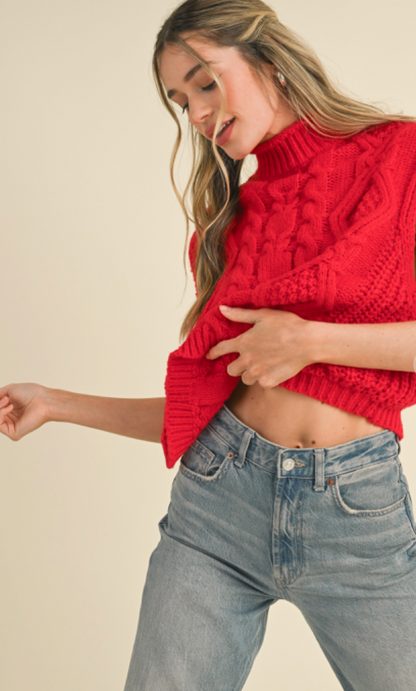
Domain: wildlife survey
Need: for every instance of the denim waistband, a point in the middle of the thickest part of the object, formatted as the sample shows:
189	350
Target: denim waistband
309	463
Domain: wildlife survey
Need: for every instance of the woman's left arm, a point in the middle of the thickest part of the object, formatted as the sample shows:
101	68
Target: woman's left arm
376	346
280	344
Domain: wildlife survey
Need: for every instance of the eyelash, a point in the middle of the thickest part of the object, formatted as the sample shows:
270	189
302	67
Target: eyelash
204	88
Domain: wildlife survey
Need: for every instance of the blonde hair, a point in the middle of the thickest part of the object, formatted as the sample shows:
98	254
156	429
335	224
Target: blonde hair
253	28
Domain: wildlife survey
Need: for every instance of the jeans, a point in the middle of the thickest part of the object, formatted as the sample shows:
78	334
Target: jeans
251	522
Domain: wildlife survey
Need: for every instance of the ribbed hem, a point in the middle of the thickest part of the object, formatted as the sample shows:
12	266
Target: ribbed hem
187	382
183	422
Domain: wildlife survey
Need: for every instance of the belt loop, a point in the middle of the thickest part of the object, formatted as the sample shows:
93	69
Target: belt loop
245	441
319	470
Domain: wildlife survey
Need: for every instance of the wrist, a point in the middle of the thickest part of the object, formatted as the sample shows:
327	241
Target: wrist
315	338
54	401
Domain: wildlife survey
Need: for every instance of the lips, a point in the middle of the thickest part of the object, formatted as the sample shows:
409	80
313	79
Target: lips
210	130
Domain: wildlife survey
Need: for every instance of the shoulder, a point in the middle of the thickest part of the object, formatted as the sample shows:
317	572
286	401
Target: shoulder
393	134
388	146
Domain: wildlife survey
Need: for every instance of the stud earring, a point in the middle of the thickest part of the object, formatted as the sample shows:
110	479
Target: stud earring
282	79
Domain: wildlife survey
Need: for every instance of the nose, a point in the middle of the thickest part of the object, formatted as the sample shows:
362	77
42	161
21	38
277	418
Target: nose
199	112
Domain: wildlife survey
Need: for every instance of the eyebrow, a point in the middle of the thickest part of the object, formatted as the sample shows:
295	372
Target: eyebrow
188	76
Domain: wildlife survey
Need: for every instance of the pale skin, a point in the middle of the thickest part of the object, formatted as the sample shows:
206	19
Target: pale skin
279	344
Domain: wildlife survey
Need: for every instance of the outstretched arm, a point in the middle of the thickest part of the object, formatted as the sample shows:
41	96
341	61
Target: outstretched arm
139	418
26	407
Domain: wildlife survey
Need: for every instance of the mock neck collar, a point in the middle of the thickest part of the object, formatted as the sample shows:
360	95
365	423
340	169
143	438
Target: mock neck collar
289	150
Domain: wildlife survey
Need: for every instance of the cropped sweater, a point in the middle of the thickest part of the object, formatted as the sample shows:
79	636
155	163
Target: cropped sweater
325	229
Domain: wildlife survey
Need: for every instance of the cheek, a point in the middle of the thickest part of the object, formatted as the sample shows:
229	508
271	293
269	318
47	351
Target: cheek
239	94
249	102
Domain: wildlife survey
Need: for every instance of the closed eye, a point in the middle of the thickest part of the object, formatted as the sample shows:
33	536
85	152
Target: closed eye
204	88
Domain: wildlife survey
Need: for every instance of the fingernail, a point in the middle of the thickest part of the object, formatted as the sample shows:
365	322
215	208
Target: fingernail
224	307
3	399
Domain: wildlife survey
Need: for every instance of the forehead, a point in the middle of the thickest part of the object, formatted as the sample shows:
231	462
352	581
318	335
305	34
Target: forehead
205	48
175	62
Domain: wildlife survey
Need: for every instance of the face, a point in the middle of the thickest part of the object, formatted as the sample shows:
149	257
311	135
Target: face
256	118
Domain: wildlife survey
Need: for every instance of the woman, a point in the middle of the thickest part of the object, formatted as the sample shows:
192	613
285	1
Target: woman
284	410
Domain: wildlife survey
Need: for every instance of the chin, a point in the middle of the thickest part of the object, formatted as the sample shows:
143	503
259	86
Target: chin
237	154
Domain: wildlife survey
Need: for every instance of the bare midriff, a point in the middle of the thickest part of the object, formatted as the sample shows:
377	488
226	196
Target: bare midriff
294	420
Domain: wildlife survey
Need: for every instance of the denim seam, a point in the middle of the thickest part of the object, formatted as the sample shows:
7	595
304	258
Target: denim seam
408	513
408	502
300	529
409	516
275	527
297	572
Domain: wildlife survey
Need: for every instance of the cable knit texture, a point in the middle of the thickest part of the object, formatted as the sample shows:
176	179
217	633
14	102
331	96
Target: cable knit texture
326	229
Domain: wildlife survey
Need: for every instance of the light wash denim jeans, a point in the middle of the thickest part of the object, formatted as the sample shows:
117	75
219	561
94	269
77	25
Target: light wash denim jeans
249	523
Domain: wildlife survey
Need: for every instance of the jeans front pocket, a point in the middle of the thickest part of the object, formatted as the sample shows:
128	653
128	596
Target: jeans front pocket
199	462
374	489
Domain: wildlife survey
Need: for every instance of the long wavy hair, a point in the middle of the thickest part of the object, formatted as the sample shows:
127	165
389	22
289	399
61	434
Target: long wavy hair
253	28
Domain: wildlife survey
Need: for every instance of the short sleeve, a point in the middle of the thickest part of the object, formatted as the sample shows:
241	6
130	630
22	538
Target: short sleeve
408	165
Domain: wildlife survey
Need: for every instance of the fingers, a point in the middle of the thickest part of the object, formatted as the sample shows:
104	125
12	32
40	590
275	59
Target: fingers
5	406
239	368
5	411
6	424
224	347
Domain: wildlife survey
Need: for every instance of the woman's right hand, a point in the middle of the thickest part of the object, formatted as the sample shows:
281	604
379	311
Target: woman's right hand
23	409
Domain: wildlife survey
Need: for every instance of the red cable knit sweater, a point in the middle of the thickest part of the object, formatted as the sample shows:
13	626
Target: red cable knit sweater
327	231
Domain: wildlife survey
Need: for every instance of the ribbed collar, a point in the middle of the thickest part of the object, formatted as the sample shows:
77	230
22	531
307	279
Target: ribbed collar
289	149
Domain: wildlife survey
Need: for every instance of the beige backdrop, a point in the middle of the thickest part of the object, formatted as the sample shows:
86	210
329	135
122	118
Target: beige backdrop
92	279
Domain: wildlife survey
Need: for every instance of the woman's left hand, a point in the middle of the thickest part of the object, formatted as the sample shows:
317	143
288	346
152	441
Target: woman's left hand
275	349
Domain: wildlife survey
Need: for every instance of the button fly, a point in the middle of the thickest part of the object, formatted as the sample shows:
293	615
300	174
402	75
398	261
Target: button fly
288	464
